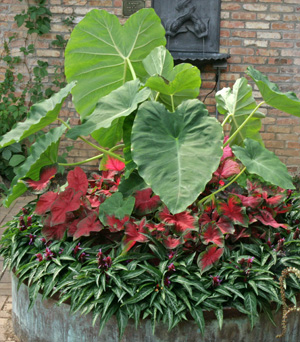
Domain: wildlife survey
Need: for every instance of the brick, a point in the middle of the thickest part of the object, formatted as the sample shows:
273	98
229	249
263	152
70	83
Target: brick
48	53
232	24
230	42
242	51
258	25
269	16
254	60
293	53
282	26
252	42
255	7
243	16
244	34
230	7
281	8
281	44
282	136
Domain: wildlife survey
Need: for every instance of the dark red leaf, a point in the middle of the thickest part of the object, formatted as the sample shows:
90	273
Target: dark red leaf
225	225
94	201
250	201
241	233
77	180
212	233
227	169
274	200
144	203
54	233
116	225
267	219
233	210
134	232
66	201
114	164
88	225
182	221
45	201
40	186
210	256
171	242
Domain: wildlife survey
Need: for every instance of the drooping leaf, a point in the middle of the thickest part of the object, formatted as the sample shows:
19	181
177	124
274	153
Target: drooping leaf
227	169
239	104
144	203
56	232
40	186
45	201
287	102
263	163
267	219
43	152
180	143
41	115
118	104
116	206
251	306
136	232
87	225
77	180
100	49
197	314
209	256
173	85
114	164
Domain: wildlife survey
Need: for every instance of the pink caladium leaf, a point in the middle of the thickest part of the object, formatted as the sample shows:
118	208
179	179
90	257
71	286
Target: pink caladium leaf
114	164
87	225
234	211
42	185
225	225
66	201
267	219
183	221
211	233
250	201
274	200
171	242
240	233
210	256
114	224
77	180
45	202
227	169
135	232
94	201
144	203
227	151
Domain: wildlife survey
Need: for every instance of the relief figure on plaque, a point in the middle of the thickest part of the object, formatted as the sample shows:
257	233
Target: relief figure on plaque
187	20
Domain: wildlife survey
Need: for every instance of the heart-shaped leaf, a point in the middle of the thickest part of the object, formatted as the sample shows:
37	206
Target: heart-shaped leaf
238	103
43	152
173	85
176	153
100	53
118	104
41	115
287	102
263	163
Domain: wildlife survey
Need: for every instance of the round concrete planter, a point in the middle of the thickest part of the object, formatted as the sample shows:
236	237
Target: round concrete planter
47	322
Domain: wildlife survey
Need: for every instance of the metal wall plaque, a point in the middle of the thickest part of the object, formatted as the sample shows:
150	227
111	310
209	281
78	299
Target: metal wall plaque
192	27
132	6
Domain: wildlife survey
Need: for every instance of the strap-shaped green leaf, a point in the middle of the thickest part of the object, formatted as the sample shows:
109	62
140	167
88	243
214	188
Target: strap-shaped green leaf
43	152
287	102
263	163
173	85
100	52
118	104
176	153
41	115
251	306
238	103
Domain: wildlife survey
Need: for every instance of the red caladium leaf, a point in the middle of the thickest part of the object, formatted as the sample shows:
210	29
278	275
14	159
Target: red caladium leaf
116	225
160	227
54	233
88	225
114	164
210	256
66	201
94	201
250	201
227	151
204	219
182	221
42	185
134	232
240	233
234	211
171	242
274	200
45	201
227	169
211	233
267	219
225	225
144	203
72	227
77	180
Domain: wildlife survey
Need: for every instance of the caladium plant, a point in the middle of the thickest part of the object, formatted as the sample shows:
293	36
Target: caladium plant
171	183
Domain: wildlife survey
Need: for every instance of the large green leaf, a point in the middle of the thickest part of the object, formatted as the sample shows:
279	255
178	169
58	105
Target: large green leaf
287	102
127	128
109	137
176	153
173	85
43	152
263	163
238	103
41	115
100	50
110	110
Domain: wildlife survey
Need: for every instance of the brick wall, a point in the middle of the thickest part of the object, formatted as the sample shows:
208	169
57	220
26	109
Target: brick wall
262	33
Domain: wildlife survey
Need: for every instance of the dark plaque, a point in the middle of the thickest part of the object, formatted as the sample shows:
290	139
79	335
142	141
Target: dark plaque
132	6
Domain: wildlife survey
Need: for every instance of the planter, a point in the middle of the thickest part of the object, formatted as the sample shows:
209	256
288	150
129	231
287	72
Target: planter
47	322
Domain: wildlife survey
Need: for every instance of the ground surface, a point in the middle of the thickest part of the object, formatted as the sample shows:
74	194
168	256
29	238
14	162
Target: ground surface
6	331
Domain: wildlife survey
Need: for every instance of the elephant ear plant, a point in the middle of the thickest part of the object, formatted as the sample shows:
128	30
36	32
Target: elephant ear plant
175	198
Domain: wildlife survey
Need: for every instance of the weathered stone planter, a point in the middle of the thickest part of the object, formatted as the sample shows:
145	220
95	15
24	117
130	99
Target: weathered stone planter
46	322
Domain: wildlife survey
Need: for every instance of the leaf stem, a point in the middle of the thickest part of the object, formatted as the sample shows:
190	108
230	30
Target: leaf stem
82	162
131	68
226	119
243	124
109	153
172	101
221	189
